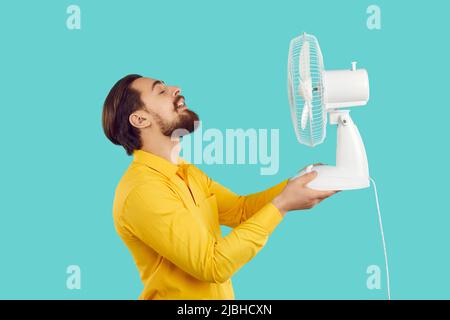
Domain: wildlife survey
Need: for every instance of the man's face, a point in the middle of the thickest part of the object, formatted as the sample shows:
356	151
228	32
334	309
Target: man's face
165	105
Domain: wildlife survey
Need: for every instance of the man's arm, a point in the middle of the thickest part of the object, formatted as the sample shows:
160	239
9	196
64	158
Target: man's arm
156	215
235	209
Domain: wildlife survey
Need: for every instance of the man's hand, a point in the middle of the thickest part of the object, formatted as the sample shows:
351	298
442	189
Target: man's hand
297	196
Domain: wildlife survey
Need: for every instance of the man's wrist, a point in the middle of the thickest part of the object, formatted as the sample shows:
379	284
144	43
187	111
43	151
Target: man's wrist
279	204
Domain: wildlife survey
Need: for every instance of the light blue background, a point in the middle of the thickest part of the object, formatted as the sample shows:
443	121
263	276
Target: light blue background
59	172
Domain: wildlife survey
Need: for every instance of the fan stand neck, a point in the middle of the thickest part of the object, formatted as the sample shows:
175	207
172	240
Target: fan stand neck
350	150
351	170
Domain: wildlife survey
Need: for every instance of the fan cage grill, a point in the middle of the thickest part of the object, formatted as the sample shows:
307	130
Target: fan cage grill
314	132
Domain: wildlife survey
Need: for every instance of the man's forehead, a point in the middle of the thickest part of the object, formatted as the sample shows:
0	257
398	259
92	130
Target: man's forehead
143	83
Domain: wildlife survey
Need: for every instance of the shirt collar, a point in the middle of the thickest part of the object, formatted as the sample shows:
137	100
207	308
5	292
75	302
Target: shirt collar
157	163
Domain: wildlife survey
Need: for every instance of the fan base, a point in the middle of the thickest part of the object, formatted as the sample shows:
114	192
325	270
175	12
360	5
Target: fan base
334	178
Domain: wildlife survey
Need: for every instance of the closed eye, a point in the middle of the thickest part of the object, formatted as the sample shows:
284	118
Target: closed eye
163	87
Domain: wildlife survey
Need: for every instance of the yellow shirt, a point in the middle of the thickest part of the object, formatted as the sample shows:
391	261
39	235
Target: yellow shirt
168	216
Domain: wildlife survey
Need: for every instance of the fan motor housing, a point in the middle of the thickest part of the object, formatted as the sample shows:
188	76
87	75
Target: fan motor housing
345	88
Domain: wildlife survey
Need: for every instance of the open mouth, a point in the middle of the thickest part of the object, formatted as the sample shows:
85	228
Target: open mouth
180	104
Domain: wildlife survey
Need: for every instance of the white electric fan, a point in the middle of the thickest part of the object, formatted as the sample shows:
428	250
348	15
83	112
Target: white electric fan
315	92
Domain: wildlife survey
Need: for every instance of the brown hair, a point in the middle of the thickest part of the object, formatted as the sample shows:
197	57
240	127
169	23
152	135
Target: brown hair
120	103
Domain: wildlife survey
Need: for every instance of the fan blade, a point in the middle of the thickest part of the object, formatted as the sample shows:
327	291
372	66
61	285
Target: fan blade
306	112
305	61
305	90
305	85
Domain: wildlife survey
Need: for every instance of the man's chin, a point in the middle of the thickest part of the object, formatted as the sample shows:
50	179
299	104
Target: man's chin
188	122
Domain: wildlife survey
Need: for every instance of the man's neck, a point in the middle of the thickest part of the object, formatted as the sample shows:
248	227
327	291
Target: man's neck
164	147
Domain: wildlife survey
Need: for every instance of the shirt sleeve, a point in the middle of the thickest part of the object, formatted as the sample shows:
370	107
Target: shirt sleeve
235	209
158	217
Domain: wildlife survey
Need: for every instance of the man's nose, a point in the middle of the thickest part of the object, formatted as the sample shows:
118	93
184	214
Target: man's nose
176	91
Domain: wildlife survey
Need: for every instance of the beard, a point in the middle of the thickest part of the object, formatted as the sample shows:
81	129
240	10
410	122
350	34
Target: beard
186	122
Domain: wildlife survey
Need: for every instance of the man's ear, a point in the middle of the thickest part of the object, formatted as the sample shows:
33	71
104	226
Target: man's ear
140	119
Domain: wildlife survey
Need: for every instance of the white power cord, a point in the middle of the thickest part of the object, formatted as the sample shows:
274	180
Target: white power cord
388	280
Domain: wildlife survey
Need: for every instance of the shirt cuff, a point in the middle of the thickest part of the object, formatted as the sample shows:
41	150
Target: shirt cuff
276	189
268	217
